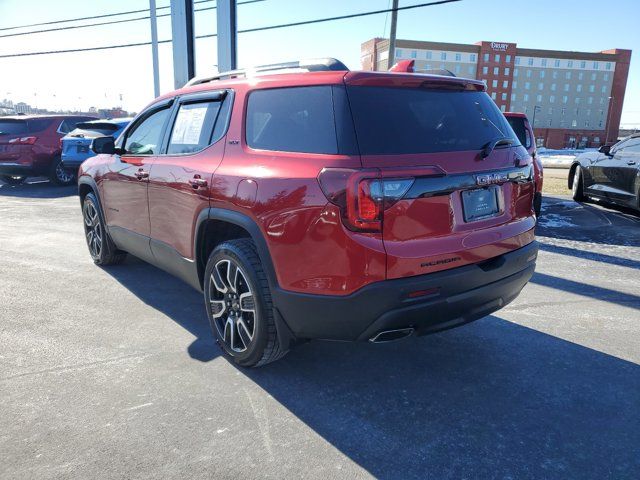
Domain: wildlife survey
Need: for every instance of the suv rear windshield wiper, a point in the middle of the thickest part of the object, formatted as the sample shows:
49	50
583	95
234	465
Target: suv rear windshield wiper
488	148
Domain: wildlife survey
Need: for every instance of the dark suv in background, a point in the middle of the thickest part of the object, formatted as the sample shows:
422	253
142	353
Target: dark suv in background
30	146
320	203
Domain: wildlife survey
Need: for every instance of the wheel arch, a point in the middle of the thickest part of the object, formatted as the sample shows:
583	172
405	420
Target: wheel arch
216	225
572	171
88	185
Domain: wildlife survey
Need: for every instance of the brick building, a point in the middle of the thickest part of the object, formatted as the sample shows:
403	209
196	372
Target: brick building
576	98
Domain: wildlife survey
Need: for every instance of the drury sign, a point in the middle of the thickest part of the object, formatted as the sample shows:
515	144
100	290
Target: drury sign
500	47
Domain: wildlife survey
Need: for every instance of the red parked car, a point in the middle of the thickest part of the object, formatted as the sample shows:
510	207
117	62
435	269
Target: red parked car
30	146
523	130
320	203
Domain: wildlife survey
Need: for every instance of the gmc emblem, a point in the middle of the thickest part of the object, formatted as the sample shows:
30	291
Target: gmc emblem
491	178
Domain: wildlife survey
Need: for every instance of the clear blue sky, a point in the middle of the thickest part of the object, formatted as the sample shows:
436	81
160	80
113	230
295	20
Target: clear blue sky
98	78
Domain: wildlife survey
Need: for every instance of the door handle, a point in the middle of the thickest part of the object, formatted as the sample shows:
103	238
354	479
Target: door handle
631	162
197	182
141	174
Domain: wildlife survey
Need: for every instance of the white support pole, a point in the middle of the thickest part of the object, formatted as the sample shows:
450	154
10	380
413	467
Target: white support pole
227	35
182	41
154	47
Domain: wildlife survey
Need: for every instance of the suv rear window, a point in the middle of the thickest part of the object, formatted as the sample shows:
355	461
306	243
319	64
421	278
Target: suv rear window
390	120
13	127
93	130
517	124
297	119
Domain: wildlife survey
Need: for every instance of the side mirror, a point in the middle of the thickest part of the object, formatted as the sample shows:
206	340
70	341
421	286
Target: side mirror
105	145
606	149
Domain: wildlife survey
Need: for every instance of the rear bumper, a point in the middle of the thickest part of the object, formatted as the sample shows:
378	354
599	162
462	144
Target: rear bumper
459	295
12	168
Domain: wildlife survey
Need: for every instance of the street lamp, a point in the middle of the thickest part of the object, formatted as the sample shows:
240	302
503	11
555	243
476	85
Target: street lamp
533	122
611	99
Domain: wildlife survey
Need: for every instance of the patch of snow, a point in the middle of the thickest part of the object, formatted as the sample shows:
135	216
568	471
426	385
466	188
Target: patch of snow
554	220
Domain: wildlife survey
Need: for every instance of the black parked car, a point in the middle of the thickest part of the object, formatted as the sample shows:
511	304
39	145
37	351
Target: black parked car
611	174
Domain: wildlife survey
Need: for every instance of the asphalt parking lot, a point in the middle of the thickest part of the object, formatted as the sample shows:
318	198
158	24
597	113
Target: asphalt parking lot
113	373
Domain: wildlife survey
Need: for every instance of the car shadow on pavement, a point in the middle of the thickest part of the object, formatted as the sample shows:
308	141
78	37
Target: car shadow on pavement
37	188
492	399
489	400
590	255
172	297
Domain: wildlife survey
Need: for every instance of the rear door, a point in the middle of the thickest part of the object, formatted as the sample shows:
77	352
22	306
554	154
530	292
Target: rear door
456	206
621	172
180	179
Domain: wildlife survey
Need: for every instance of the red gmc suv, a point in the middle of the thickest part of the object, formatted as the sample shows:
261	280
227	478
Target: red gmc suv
320	203
30	146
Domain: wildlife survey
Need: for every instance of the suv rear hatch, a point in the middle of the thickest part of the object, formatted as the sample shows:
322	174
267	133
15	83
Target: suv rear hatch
17	135
445	194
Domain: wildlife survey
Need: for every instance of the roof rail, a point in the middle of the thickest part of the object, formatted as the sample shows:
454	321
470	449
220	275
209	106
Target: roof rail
311	65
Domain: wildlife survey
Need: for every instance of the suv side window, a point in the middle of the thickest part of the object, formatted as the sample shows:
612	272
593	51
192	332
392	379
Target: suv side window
193	127
297	119
146	137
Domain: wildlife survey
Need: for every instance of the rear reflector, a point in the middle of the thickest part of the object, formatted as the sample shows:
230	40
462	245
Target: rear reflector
424	293
24	140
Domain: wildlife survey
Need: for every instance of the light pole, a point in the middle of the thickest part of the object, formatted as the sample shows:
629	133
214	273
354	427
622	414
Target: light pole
392	35
533	122
611	99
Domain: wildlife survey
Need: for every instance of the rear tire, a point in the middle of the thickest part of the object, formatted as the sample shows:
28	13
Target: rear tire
58	175
577	188
101	247
239	304
12	179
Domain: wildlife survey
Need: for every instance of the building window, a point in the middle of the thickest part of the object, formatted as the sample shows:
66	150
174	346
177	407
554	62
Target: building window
604	89
527	85
496	71
525	97
570	64
429	54
574	123
565	99
530	62
583	64
458	57
593	77
608	66
506	71
515	72
590	100
579	87
541	73
540	86
513	97
526	109
564	110
427	66
556	63
494	84
568	76
554	74
508	58
472	57
503	108
414	54
596	65
580	75
553	87
517	61
605	77
398	53
486	57
549	123
485	70
505	84
577	100
601	100
566	87
504	96
552	99
457	69
592	88
471	70
544	62
515	84
550	110
539	98
596	139
493	95
528	73
497	58
443	55
588	112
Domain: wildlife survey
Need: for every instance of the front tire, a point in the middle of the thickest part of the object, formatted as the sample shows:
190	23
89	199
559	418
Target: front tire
239	305
12	179
577	188
58	175
101	247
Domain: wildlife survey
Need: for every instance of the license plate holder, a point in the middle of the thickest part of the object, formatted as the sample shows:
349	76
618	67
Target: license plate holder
480	203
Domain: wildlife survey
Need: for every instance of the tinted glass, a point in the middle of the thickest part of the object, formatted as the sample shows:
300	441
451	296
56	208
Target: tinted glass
292	120
91	132
103	126
145	138
39	124
8	127
193	127
517	124
418	120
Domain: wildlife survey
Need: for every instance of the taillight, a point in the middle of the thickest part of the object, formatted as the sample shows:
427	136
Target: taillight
362	195
24	140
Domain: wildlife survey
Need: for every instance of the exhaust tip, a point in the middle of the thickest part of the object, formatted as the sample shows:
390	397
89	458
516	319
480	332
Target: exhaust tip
391	335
